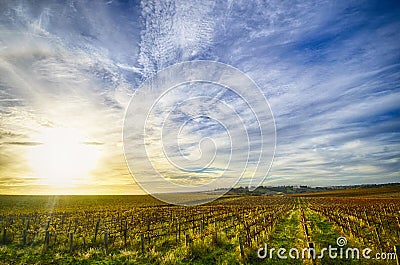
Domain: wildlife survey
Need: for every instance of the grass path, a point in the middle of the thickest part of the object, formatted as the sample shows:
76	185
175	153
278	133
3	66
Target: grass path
287	234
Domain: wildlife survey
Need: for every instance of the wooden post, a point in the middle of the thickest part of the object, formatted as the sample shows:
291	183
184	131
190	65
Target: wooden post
241	248
96	230
71	242
5	236
142	241
47	238
24	238
305	229
106	240
125	236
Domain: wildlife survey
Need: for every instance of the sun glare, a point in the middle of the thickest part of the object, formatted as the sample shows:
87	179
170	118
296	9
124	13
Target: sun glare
64	158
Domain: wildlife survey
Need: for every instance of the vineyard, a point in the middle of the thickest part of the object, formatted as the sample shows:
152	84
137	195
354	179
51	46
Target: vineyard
139	229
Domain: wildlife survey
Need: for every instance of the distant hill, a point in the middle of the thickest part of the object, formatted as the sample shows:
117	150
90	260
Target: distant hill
392	191
385	190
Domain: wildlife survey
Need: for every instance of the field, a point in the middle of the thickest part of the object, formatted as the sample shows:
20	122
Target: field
231	230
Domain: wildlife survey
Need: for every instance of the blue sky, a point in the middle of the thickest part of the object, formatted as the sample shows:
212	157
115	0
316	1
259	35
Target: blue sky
329	69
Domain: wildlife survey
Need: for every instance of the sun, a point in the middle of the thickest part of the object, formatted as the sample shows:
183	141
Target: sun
63	158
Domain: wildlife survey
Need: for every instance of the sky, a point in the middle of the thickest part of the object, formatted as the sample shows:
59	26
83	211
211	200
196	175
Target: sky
330	71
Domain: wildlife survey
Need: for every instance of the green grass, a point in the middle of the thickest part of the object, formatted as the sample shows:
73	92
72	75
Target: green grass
287	234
